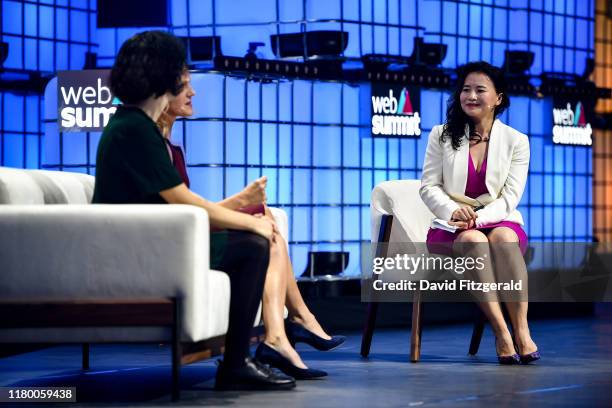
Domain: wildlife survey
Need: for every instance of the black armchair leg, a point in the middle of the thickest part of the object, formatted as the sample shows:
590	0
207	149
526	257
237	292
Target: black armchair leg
368	329
477	335
85	356
386	223
176	352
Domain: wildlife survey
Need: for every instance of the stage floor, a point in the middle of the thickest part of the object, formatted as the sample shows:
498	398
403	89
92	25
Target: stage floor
576	370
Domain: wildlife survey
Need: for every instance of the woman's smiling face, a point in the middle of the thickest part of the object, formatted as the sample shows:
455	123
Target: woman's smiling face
478	96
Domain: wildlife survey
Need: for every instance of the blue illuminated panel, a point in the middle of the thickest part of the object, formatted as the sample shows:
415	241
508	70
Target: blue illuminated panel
305	136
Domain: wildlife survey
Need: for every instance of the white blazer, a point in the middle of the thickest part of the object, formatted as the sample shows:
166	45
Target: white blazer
445	175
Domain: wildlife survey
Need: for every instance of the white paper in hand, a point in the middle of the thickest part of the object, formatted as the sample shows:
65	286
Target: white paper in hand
439	223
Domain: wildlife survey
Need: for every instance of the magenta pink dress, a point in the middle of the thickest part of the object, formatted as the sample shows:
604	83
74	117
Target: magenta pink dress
440	241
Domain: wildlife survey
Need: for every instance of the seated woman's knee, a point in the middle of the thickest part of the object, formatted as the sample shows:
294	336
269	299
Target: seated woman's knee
276	247
471	236
503	234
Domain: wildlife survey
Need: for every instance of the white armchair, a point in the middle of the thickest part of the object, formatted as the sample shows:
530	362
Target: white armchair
398	215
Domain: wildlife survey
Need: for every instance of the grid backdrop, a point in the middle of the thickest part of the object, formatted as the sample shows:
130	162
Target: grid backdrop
305	135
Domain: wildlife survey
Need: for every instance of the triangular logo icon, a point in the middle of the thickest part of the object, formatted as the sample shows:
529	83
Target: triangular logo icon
116	101
408	105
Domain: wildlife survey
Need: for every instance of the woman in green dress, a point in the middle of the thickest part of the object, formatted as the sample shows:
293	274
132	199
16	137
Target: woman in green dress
133	167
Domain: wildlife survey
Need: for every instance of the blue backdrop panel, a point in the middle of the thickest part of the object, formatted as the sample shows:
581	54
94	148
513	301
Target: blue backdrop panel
305	135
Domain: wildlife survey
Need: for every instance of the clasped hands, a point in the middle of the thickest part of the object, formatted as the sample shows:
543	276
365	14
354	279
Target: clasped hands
464	218
266	227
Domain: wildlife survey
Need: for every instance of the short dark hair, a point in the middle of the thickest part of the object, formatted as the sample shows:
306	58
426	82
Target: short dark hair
150	63
456	119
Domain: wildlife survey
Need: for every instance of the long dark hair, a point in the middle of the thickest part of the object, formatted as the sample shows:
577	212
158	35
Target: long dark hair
456	119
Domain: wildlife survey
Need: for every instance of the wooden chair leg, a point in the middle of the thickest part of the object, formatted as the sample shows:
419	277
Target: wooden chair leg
477	335
415	335
85	356
368	329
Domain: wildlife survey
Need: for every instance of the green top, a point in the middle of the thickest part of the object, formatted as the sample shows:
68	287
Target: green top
132	164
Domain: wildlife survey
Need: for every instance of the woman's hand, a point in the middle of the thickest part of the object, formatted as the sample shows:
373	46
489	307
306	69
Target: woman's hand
255	192
464	216
265	227
460	224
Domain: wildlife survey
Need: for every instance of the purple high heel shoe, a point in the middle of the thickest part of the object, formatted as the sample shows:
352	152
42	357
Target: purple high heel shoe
509	360
531	357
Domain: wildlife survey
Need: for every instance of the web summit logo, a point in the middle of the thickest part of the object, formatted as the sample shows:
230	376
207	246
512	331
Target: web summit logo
85	102
395	118
570	126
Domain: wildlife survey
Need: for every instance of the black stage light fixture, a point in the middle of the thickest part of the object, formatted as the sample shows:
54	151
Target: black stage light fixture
427	54
270	69
201	49
252	51
589	67
556	79
132	13
382	62
310	44
516	63
4	50
557	83
322	263
266	70
19	81
563	83
399	69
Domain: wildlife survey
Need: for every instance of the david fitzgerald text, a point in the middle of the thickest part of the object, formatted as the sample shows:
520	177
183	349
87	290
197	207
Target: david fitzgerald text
447	285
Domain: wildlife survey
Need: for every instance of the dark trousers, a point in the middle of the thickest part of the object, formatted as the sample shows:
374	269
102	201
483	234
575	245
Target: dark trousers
245	259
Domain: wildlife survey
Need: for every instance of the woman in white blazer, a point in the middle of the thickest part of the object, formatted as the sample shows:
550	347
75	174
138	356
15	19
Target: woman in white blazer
474	175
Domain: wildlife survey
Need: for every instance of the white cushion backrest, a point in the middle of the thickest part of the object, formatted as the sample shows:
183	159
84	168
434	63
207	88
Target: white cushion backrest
401	199
19	186
77	188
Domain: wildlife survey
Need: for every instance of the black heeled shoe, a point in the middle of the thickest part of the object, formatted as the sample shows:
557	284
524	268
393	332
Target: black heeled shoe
268	355
297	333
